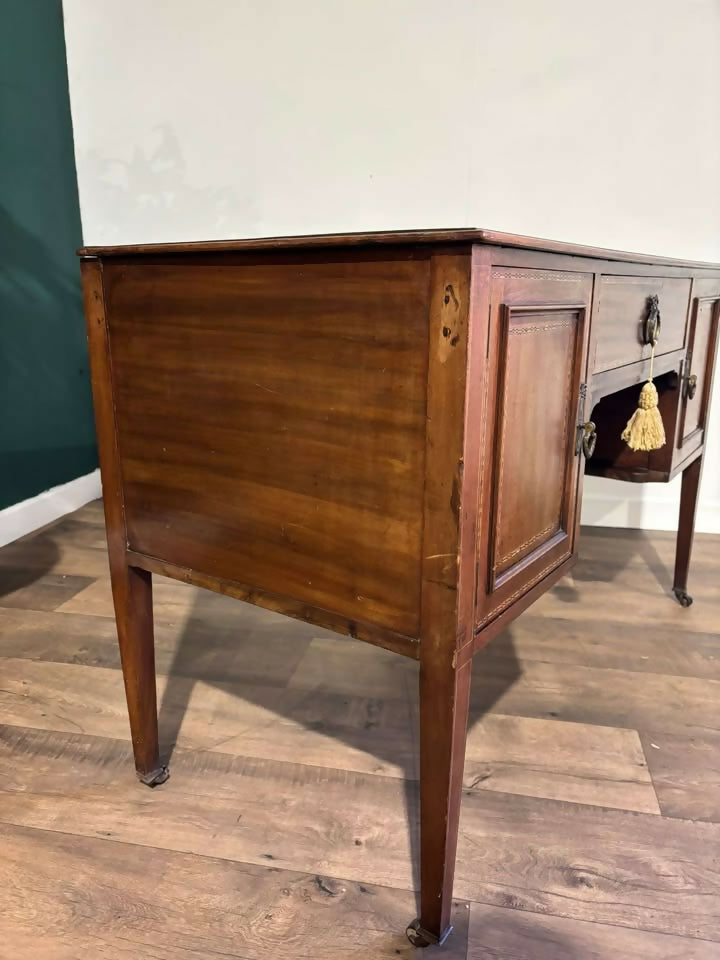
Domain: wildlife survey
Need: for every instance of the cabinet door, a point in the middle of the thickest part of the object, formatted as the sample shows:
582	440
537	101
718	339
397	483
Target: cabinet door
537	354
697	374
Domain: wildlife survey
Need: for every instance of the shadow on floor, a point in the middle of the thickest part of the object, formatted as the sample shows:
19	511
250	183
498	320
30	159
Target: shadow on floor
27	569
253	654
250	654
613	570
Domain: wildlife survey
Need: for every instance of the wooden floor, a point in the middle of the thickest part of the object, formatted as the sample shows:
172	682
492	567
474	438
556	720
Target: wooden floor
591	816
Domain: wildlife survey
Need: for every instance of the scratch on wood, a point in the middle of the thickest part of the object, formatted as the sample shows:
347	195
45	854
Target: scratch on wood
455	498
261	387
480	778
323	885
442	583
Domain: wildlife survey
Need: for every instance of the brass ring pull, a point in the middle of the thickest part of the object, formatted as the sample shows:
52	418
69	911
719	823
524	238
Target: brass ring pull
652	324
691	386
589	438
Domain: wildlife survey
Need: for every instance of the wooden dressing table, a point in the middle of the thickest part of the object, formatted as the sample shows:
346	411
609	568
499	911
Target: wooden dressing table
384	434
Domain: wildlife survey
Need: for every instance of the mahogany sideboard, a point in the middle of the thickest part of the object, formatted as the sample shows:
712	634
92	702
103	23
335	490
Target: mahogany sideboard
384	434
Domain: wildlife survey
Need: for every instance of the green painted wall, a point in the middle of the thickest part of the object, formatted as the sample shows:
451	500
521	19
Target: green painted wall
46	426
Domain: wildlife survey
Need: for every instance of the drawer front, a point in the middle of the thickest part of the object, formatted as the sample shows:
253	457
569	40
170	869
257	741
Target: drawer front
623	307
528	512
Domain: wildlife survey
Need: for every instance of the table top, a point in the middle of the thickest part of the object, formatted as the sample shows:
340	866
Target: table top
328	240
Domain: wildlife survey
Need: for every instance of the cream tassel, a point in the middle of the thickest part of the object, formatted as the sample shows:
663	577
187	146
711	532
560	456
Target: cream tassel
645	430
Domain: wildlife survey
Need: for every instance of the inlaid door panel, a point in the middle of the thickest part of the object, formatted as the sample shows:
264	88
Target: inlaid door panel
538	352
697	371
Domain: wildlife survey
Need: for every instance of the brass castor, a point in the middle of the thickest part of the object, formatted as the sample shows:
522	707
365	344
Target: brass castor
155	777
682	596
420	937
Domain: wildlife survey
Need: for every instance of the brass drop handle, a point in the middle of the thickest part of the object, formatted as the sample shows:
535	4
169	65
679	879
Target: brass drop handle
587	439
652	324
691	386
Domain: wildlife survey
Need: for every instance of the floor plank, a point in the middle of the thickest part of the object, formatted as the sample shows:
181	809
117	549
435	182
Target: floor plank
250	720
686	773
501	934
24	590
73	545
588	863
635	601
532	688
59	637
601	766
121	902
581	862
533	757
655	549
250	810
595	695
209	644
644	648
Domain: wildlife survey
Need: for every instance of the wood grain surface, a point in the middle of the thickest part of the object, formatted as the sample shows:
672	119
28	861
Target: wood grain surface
271	425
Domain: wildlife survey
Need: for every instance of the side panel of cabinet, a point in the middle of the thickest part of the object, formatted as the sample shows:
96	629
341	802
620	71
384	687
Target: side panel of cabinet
537	353
271	416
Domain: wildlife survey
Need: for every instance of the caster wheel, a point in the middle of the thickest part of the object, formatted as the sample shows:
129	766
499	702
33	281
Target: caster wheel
155	777
416	935
682	596
419	937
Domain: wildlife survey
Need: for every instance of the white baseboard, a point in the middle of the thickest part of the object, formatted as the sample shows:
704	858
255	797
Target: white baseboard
644	507
23	518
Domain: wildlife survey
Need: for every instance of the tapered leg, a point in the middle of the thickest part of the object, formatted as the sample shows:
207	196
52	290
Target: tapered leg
131	587
132	597
686	529
444	698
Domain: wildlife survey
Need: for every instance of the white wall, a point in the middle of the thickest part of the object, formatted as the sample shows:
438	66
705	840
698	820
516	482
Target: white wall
590	122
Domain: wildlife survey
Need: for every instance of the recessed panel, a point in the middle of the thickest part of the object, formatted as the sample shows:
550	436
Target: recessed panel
528	496
536	418
699	368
